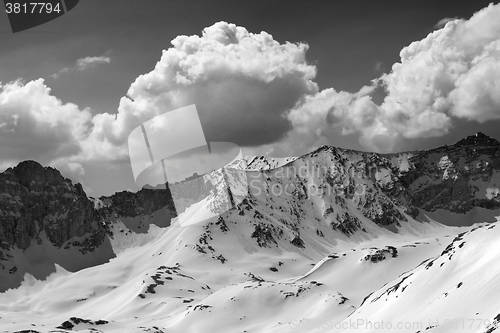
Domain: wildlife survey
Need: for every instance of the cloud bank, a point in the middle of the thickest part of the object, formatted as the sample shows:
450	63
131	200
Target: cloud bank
243	84
37	125
452	73
257	92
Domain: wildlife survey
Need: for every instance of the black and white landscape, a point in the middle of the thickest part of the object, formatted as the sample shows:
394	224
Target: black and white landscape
413	242
367	210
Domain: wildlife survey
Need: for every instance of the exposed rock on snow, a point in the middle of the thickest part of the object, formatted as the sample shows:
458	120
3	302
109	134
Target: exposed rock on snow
301	244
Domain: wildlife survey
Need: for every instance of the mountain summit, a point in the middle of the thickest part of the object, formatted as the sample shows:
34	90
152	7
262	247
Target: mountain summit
46	219
478	139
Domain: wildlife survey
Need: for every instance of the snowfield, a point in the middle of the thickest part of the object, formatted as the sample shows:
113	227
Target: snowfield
159	282
332	241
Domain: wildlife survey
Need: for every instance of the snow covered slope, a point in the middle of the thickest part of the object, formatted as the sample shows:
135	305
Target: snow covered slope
455	291
233	284
290	245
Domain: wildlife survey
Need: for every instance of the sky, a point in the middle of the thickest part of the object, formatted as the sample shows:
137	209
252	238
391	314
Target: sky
277	78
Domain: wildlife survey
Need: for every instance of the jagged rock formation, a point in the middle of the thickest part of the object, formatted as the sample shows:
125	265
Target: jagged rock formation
46	219
332	188
337	187
130	204
34	199
134	209
302	202
455	178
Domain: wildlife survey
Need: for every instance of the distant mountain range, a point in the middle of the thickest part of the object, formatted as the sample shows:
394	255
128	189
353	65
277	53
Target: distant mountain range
333	230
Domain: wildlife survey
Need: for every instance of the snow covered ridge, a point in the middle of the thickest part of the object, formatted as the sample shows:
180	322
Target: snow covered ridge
309	244
457	178
461	178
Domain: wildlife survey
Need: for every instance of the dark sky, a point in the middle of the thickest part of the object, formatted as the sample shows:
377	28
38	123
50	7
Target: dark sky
350	42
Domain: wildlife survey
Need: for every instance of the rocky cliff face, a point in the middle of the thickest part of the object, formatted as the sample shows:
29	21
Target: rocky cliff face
46	220
135	209
129	204
455	178
34	199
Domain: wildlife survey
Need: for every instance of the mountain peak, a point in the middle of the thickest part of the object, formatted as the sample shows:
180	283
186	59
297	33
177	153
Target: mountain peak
29	164
28	171
478	139
481	135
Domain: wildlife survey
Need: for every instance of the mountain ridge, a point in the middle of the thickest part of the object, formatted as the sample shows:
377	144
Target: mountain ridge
319	236
148	200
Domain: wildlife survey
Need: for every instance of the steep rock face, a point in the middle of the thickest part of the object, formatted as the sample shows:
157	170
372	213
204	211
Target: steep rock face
333	189
136	209
365	180
143	202
35	199
324	195
46	220
456	178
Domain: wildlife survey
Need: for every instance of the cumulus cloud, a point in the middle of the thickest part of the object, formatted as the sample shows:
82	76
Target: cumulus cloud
321	118
256	92
83	64
453	73
443	22
244	85
37	125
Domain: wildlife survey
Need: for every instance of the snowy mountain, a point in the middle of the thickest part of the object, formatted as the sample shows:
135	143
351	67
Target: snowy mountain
463	178
306	244
45	221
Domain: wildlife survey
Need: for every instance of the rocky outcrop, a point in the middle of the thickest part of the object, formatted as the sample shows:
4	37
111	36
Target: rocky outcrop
131	204
46	220
376	255
456	178
34	199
